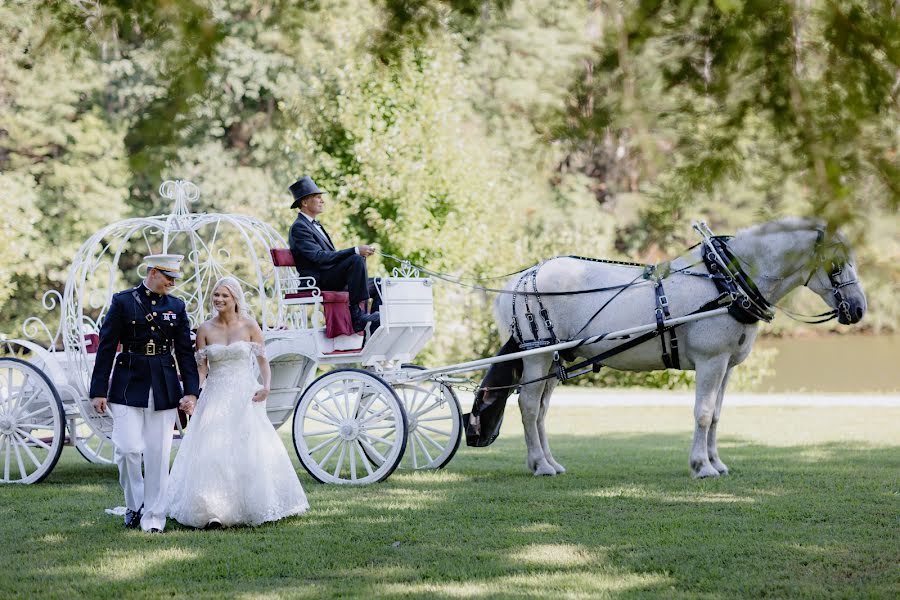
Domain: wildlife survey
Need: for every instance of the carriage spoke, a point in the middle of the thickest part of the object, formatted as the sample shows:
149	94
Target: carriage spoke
328	454
328	412
371	427
436	404
433	430
37	412
7	443
314	418
371	449
19	457
307	434
29	452
23	434
376	415
34	425
362	456
426	419
418	438
415	456
345	411
352	464
430	439
340	461
323	444
377	439
30	398
415	399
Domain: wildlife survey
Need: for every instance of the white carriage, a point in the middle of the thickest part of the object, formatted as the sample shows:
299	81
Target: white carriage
350	425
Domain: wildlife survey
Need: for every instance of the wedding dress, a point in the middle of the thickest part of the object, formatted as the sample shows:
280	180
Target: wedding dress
231	466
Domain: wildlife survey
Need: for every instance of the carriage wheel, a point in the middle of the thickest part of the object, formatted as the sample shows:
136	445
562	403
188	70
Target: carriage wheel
32	423
349	427
434	422
93	439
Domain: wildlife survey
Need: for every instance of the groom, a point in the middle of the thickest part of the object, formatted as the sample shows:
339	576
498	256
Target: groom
145	392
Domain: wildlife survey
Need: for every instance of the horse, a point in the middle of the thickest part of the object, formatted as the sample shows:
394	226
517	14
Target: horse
577	298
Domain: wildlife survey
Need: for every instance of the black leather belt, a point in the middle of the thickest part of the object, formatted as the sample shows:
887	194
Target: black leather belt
150	348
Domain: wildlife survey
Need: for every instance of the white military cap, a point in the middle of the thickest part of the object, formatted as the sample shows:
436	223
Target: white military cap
167	264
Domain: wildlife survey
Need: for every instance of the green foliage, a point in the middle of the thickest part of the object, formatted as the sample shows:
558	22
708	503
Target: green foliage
473	137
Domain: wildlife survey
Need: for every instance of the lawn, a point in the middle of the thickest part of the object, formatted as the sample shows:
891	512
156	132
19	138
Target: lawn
811	509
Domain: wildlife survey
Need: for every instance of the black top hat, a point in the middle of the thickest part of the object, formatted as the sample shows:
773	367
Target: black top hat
302	188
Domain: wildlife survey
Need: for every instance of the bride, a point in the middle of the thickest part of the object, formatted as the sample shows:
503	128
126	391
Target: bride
232	468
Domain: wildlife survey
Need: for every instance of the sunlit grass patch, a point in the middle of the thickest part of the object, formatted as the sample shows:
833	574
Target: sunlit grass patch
808	519
557	555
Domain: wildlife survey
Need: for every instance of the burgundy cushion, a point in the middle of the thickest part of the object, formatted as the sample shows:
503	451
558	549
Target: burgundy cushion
337	312
92	343
282	257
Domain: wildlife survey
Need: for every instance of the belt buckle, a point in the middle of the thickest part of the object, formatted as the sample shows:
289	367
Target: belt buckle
150	348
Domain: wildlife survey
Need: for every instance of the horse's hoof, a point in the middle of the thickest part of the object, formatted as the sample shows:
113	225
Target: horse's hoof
719	466
544	468
704	471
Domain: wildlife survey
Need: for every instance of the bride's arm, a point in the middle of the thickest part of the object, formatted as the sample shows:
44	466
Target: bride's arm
259	349
200	355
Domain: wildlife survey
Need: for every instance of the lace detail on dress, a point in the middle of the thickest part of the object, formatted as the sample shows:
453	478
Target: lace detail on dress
232	465
257	349
201	356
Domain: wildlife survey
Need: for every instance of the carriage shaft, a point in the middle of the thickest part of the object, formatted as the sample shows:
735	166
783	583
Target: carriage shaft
477	365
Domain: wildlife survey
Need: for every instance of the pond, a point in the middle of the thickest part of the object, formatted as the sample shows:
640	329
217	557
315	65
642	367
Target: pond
834	363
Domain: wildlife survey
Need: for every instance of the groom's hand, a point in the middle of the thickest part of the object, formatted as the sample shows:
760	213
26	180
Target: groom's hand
99	405
187	404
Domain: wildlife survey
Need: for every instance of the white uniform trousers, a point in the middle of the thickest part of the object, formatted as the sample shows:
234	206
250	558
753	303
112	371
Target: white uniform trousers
144	433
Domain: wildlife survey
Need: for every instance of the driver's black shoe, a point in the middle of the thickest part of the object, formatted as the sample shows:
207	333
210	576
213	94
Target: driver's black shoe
359	319
133	518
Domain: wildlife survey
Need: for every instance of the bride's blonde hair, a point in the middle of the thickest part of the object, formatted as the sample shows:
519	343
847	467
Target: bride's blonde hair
234	288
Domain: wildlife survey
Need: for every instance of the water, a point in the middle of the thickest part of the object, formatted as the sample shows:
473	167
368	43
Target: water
837	364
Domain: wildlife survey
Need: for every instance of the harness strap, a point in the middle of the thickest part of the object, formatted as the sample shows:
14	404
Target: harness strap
670	360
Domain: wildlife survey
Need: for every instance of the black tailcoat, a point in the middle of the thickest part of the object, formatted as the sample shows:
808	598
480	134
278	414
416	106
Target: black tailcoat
135	374
334	270
314	252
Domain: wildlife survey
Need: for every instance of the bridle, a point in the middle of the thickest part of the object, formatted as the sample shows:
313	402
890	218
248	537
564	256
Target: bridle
832	264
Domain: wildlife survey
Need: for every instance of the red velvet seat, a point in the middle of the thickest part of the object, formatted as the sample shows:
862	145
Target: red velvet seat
336	304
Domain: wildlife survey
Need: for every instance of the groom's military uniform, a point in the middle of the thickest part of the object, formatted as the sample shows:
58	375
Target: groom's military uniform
144	392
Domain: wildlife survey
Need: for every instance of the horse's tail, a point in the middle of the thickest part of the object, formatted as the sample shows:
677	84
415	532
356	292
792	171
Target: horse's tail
483	423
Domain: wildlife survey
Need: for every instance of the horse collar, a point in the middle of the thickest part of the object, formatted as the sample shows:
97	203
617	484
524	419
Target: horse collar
748	305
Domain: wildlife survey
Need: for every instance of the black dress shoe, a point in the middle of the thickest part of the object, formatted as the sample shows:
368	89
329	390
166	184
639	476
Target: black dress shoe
155	530
359	319
214	524
133	518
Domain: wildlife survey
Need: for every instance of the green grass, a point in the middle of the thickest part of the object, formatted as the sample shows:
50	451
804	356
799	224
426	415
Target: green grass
812	509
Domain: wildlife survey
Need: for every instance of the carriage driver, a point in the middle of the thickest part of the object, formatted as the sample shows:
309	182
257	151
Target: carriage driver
145	392
316	257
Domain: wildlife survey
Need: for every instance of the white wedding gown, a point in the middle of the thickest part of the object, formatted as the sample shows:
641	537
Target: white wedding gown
232	466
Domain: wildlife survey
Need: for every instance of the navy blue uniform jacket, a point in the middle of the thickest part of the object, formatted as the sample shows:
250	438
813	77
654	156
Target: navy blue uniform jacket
313	252
136	374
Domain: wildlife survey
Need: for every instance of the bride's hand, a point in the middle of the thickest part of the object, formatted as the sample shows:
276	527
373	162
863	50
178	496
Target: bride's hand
261	394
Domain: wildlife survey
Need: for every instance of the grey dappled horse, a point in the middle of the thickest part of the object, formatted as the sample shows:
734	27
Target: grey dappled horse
778	256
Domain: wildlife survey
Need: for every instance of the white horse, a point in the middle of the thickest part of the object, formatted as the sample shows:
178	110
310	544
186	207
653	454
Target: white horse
778	257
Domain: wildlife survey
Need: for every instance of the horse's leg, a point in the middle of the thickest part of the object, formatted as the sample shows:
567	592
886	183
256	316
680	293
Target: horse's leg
529	405
713	449
542	434
710	374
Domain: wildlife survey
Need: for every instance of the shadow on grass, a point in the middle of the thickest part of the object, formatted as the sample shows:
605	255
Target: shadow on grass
625	521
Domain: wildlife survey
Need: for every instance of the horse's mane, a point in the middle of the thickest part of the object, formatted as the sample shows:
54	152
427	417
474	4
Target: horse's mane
783	225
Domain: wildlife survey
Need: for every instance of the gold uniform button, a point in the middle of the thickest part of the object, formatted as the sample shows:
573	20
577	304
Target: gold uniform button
153	302
133	322
154	314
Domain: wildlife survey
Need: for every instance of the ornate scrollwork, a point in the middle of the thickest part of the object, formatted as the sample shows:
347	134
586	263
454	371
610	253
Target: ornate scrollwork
406	269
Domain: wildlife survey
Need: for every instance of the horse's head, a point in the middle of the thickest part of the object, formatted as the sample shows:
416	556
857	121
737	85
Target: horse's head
833	276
